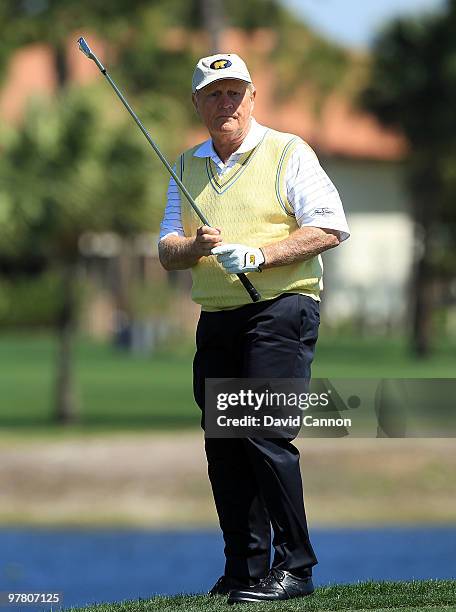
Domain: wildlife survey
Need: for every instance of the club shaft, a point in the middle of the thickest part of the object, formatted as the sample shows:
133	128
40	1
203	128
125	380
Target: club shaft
157	151
254	294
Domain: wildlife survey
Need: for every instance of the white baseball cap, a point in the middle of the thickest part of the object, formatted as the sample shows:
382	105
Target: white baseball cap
217	67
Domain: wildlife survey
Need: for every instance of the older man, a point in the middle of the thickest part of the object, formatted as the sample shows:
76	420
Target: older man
276	211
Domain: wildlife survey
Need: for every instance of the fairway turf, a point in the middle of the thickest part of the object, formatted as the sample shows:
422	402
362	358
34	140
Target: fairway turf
120	391
416	596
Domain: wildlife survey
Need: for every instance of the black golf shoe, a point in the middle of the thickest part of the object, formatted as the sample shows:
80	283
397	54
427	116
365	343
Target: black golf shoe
278	585
225	584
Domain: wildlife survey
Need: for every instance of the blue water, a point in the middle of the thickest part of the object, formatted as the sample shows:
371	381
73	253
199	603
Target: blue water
109	565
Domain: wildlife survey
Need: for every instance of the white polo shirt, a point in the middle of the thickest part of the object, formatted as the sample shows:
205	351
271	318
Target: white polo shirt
315	200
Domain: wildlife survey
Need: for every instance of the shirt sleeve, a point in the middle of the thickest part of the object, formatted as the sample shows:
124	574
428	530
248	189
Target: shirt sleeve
315	200
172	221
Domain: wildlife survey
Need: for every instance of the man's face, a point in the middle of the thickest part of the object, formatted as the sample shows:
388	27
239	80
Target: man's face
225	106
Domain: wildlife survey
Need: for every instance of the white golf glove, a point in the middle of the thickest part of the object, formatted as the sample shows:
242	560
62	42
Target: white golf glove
238	258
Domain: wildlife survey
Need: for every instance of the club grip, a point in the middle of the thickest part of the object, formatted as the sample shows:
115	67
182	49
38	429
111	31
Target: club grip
255	296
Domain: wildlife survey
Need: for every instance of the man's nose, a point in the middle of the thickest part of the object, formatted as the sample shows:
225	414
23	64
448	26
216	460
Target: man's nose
225	101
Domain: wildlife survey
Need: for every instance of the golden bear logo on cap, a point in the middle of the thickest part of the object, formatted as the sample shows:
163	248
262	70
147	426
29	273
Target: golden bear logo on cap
252	259
219	64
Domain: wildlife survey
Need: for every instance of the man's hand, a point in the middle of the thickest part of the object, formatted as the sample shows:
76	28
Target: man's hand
183	252
207	238
238	258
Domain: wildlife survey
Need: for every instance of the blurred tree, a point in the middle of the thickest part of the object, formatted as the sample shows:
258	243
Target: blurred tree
303	57
413	88
299	54
145	57
236	13
136	29
64	157
213	22
148	60
69	168
53	21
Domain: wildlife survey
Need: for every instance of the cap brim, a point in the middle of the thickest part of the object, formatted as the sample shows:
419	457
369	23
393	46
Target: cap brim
214	78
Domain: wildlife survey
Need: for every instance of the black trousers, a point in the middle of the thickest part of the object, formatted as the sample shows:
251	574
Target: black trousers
256	482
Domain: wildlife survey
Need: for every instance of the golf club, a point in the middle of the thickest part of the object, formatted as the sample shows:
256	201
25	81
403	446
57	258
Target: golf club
84	47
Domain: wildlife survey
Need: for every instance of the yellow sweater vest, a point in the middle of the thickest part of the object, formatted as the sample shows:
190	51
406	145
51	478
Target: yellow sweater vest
250	205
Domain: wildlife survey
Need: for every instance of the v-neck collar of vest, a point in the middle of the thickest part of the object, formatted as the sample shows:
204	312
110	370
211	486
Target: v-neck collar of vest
219	185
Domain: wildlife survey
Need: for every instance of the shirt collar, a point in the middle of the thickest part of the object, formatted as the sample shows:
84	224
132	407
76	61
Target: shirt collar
254	136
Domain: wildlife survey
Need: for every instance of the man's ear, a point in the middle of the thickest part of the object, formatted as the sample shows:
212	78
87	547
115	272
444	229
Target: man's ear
252	97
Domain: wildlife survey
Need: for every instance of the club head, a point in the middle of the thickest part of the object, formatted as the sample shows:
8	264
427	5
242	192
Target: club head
84	47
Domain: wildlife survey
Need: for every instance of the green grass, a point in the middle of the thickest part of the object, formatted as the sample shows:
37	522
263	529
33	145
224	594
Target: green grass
121	392
115	390
379	357
422	596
